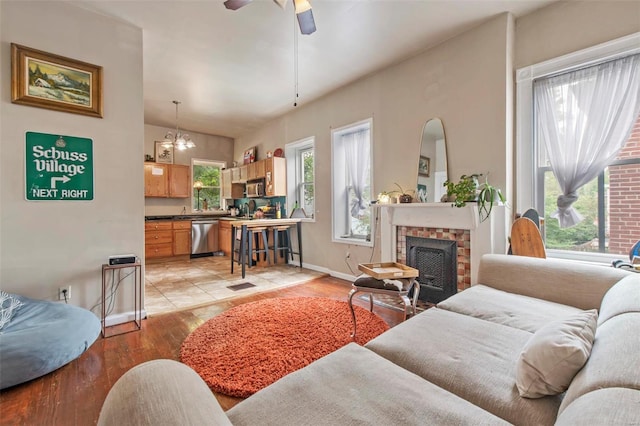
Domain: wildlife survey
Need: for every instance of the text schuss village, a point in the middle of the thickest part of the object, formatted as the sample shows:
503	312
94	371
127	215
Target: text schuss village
52	160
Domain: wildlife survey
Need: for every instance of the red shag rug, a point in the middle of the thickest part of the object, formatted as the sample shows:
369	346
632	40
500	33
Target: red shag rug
251	346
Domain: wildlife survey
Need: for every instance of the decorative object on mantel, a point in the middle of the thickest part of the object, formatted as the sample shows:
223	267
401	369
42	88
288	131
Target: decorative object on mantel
404	196
469	189
180	141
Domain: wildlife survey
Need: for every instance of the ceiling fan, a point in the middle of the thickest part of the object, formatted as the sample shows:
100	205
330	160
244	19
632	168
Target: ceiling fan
302	9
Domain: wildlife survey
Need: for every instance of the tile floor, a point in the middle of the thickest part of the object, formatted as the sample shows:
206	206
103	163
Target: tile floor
176	285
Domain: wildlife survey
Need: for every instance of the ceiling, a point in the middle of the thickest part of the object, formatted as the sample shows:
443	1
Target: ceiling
234	70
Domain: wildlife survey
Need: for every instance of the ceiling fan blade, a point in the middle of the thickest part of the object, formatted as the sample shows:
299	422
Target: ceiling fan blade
306	22
236	4
281	3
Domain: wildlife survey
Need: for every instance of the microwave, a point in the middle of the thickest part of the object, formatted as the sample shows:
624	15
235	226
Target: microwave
255	189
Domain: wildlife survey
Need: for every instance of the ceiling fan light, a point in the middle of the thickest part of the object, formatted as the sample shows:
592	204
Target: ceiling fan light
190	144
301	6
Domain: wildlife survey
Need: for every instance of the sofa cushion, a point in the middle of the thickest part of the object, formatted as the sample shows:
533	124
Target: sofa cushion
472	358
614	359
554	354
161	392
555	280
623	297
610	406
355	386
525	313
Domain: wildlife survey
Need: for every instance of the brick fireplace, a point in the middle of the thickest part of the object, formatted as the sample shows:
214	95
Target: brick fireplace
442	221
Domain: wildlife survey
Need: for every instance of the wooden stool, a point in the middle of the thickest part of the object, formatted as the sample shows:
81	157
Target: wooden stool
253	235
278	232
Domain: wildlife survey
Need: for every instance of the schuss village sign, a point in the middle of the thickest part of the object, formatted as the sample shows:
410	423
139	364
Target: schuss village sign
58	167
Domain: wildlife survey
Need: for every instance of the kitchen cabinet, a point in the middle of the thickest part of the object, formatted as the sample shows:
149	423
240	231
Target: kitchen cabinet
166	238
156	180
158	239
167	180
256	170
224	237
181	237
179	181
239	174
276	177
230	189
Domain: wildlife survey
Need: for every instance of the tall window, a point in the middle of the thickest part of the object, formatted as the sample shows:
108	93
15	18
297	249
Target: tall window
585	154
352	178
207	173
301	174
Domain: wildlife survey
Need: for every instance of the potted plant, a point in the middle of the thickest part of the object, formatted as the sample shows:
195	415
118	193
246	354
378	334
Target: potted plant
403	197
469	189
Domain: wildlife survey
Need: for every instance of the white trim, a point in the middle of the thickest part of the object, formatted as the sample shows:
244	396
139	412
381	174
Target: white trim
353	127
291	154
525	155
222	165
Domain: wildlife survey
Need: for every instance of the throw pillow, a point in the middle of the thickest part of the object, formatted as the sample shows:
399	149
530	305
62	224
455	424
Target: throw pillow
8	306
554	355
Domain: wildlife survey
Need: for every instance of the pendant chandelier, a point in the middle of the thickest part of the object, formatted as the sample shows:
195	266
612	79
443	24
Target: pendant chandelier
179	141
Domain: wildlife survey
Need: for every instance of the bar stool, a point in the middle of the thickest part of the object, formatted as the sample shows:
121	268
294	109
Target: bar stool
282	231
253	236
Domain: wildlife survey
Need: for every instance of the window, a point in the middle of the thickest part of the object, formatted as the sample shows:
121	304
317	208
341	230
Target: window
608	203
351	181
301	174
208	173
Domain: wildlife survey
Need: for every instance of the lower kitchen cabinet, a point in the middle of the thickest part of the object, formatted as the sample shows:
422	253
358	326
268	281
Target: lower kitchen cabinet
167	238
224	237
181	237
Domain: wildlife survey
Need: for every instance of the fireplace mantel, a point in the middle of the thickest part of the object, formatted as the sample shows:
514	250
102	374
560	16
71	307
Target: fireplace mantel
489	236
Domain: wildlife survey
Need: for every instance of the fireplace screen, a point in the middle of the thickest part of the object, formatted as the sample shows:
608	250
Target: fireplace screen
437	262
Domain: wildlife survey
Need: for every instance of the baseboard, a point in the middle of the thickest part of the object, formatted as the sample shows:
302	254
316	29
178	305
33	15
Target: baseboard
122	318
328	271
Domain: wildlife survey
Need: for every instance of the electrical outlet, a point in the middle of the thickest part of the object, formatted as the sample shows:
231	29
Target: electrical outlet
61	293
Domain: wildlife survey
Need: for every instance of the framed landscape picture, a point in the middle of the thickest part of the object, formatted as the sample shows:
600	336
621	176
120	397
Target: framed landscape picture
45	80
163	154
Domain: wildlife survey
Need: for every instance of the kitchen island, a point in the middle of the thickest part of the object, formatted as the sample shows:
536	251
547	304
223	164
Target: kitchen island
243	226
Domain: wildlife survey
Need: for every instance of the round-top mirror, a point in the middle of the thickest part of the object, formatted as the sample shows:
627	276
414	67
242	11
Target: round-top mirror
432	164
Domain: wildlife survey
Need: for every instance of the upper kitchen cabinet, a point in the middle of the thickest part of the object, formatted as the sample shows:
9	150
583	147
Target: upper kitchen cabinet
230	189
276	177
167	180
256	170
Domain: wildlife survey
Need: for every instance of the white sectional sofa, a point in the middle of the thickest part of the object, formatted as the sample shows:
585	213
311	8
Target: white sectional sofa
528	328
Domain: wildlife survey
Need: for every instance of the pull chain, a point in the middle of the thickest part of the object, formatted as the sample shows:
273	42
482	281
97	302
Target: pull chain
295	61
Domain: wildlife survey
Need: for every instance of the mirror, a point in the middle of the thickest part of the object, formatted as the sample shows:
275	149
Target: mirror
432	164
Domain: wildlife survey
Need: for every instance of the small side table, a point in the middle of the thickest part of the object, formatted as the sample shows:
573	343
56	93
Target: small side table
381	271
109	271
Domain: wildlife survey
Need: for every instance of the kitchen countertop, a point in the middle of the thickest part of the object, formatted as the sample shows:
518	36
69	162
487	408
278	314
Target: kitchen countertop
191	216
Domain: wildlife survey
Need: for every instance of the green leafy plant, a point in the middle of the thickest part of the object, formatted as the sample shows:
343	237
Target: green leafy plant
468	189
405	197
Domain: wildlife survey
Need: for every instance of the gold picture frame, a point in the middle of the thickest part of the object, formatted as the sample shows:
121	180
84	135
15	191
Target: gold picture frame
45	80
162	154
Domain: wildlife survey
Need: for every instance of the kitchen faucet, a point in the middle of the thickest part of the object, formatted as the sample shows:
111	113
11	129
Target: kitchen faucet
247	212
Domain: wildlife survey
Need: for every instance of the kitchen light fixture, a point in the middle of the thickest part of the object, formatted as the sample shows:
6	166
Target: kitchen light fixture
180	141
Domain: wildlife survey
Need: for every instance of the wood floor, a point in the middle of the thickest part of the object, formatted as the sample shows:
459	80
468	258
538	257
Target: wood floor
73	394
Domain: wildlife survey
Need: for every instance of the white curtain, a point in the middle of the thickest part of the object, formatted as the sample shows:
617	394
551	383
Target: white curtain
584	118
356	149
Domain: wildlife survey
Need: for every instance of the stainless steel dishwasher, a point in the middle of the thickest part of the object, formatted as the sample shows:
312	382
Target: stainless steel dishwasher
204	237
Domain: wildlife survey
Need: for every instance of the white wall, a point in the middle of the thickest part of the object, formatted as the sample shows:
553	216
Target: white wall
49	244
208	147
463	81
